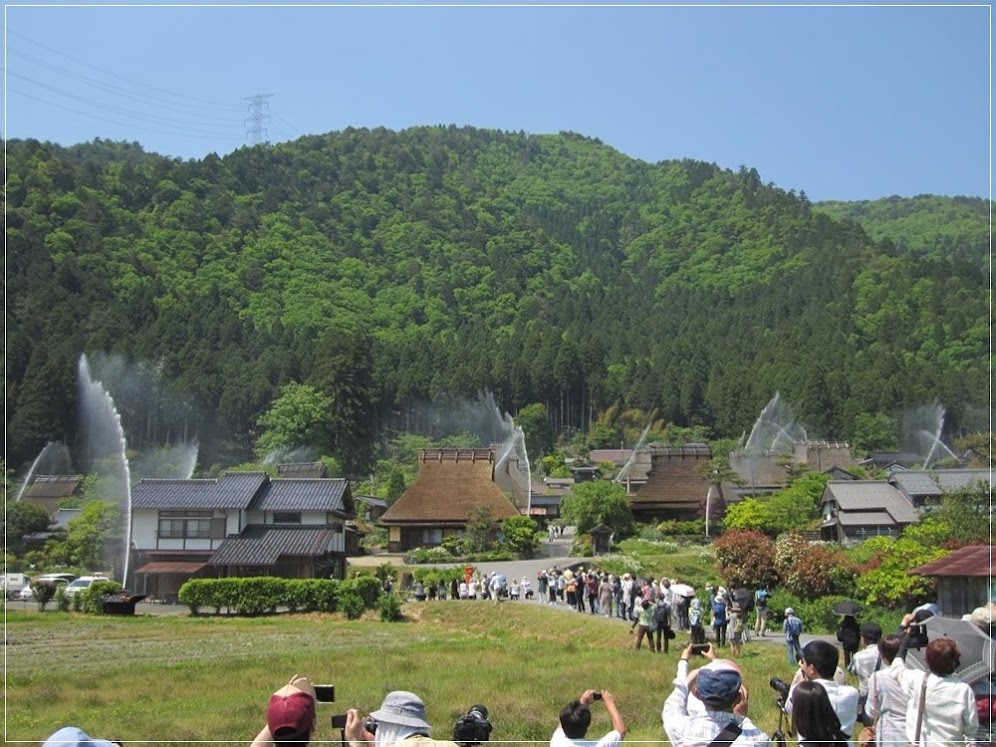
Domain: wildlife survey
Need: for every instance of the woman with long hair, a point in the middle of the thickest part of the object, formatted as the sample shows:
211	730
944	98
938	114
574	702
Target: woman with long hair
813	717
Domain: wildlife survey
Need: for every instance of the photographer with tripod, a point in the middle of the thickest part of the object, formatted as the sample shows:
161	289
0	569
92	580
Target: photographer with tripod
719	685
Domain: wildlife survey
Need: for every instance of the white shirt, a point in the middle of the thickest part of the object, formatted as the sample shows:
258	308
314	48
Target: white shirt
685	728
863	664
886	706
844	700
559	739
949	711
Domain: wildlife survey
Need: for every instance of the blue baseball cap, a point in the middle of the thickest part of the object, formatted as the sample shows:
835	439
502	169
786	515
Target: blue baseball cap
718	683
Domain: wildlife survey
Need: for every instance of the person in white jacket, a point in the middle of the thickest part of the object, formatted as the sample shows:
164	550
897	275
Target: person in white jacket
940	709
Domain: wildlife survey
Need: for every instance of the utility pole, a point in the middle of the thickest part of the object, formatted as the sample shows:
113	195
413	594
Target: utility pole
255	132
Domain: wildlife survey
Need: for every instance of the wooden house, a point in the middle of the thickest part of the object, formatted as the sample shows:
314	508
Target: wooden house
964	579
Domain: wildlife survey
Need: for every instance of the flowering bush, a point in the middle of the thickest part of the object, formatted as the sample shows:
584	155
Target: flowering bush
745	557
813	569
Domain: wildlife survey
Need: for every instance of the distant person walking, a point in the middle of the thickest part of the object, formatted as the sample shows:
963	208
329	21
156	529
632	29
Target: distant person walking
793	629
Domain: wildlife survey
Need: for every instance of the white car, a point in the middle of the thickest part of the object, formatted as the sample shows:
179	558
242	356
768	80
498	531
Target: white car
82	583
56	579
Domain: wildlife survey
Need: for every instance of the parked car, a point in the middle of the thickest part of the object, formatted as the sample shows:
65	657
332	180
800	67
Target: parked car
55	579
83	583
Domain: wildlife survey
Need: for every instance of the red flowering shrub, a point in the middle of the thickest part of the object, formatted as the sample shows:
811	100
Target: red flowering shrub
812	570
745	557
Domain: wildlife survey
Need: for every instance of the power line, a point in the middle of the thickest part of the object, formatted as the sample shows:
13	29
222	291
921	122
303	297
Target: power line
213	104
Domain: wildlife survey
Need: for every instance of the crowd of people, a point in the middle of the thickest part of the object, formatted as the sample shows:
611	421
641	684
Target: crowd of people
897	704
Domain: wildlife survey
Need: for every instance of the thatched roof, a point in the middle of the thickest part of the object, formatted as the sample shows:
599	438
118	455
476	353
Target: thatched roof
450	484
674	479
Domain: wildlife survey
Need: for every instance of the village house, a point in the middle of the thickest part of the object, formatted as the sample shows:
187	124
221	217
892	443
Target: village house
240	524
964	579
677	484
450	484
47	490
854	510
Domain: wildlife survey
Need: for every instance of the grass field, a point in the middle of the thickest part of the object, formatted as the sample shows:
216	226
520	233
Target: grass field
178	678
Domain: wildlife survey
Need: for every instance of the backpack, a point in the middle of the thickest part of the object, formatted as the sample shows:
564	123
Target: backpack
762	599
662	614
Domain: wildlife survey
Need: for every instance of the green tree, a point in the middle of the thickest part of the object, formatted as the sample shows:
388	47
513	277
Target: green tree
87	534
535	423
298	417
482	530
395	486
21	520
598	502
520	535
874	432
966	513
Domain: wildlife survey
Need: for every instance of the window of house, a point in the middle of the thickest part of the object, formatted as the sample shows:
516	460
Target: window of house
286	517
186	525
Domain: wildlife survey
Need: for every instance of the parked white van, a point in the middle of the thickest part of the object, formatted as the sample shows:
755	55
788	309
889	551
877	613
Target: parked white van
12	583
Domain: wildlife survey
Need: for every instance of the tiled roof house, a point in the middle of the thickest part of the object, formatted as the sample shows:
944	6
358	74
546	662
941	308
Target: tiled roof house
854	510
450	484
676	485
925	488
240	524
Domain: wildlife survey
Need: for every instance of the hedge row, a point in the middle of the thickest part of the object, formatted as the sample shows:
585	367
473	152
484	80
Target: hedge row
260	595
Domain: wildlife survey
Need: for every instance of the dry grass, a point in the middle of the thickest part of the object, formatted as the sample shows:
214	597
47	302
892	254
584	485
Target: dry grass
162	679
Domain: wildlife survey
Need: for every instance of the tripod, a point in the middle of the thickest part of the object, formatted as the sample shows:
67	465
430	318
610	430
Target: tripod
778	738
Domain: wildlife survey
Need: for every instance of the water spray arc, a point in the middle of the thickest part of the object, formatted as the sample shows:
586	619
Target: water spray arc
105	437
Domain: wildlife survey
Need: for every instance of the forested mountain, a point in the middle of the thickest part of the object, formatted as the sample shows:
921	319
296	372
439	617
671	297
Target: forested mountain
390	268
924	225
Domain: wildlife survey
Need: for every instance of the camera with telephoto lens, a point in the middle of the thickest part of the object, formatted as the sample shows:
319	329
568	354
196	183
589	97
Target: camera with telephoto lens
473	727
779	686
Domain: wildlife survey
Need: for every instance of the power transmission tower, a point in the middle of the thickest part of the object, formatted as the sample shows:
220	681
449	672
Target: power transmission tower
255	132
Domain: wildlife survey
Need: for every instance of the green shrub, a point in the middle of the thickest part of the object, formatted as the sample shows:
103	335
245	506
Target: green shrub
195	593
61	600
90	597
351	603
367	587
43	593
317	594
422	555
673	527
389	606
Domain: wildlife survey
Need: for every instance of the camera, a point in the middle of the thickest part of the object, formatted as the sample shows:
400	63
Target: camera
339	722
325	693
597	695
780	686
473	727
699	648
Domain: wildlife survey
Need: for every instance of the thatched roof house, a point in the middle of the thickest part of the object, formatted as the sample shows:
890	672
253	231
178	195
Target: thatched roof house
47	490
451	483
676	486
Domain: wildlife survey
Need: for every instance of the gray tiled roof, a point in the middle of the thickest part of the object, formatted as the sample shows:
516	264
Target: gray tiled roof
955	479
867	519
916	483
264	545
303	495
862	496
233	490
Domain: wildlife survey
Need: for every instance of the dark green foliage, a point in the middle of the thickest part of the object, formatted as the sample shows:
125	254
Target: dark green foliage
367	586
21	519
260	594
388	269
351	604
90	597
389	607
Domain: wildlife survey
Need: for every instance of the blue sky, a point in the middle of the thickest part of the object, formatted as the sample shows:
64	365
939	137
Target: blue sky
841	102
